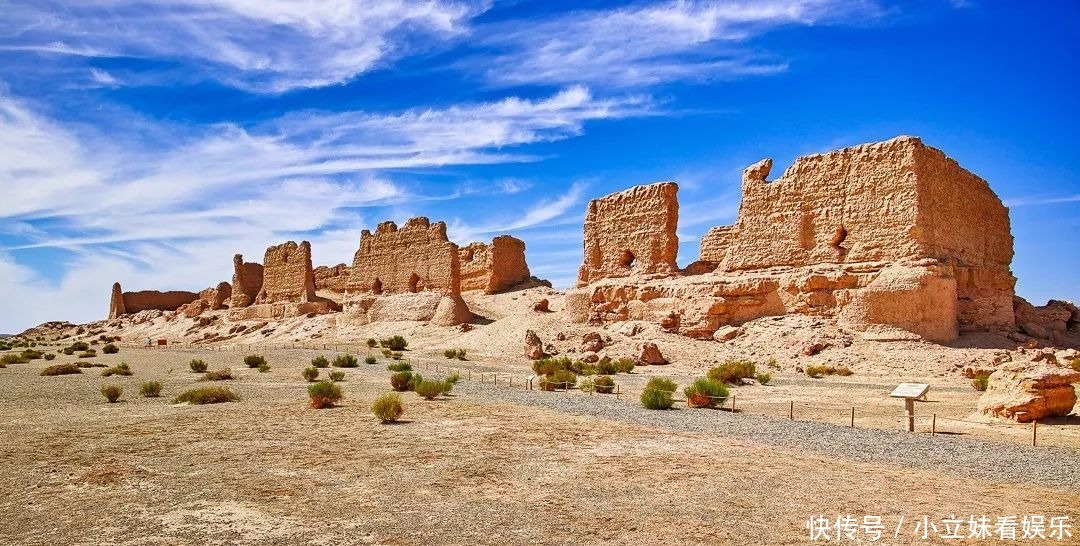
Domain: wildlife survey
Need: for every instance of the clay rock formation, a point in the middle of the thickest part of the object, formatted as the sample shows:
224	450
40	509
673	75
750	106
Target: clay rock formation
414	258
130	303
494	267
1029	392
534	348
542	306
592	343
287	274
246	282
631	233
217	297
650	355
333	279
427	306
1042	321
892	239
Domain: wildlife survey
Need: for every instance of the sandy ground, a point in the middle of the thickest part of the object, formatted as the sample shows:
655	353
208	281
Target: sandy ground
462	470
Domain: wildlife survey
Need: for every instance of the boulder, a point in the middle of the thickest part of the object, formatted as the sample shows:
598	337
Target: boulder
542	306
592	343
590	357
1029	392
726	333
650	355
1034	330
534	348
671	323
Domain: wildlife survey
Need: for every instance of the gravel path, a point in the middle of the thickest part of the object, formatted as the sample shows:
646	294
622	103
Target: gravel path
1046	466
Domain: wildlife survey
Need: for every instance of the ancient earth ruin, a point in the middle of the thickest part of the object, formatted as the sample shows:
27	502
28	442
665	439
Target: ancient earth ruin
892	239
129	303
494	267
247	281
414	258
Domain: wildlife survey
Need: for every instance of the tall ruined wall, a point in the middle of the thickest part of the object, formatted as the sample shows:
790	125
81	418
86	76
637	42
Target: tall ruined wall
153	299
416	257
964	224
116	302
493	268
334	279
287	274
631	232
247	281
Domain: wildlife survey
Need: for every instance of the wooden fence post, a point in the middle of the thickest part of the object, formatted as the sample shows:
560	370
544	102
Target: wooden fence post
933	425
852	416
791	411
1034	429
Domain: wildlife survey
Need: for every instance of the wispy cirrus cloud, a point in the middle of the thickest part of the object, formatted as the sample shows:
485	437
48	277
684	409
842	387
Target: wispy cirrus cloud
1038	200
267	46
647	44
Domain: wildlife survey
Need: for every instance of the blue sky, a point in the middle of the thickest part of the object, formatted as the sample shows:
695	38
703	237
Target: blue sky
148	144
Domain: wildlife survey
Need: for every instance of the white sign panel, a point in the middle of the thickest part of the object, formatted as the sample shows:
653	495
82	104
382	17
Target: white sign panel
910	390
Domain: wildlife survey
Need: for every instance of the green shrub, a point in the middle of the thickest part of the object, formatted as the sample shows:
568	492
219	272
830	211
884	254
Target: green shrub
206	395
111	393
345	361
12	358
254	361
79	346
399	367
89	365
1075	363
61	369
732	371
88	354
550	365
454	354
763	378
371	342
447	386
656	399
49	356
817	371
401	381
119	369
320	362
844	371
453	378
396	355
394	343
324	394
31	354
151	389
587	385
337	375
429	389
561	379
223	374
370	360
110	349
310	373
980	383
449	353
264	367
68	351
604	384
388	407
706	393
197	365
386	353
606	366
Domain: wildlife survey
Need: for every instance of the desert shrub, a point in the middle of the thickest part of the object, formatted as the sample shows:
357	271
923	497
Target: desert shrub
320	362
324	394
658	393
706	393
396	355
388	407
604	384
980	383
310	373
394	343
732	371
844	371
447	386
449	353
371	342
31	354
429	389
197	365
264	367
345	361
206	395
61	369
606	366
453	378
119	369
79	346
550	365
1075	363
656	400
401	381
399	367
223	374
89	365
111	392
12	358
150	389
817	371
561	379
386	353
763	378
370	360
337	375
88	354
454	354
110	349
49	356
587	385
254	361
68	351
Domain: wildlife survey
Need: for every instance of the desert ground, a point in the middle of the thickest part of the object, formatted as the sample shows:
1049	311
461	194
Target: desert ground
494	463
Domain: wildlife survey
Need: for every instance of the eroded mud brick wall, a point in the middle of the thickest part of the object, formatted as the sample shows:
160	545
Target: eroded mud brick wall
132	302
631	232
287	274
246	282
416	257
493	267
334	279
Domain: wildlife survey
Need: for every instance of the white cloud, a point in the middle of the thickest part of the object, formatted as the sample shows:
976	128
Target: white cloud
653	43
545	213
1038	200
259	45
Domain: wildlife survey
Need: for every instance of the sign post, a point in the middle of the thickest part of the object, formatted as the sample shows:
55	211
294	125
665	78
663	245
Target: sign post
910	392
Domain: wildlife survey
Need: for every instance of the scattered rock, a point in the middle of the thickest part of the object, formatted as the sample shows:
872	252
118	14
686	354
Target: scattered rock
534	348
630	329
671	323
813	348
1047	356
560	336
726	333
465	327
1025	392
542	306
592	342
590	357
551	349
1034	330
650	355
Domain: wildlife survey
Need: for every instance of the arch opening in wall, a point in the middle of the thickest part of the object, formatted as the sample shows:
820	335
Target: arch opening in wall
376	287
627	259
414	283
839	236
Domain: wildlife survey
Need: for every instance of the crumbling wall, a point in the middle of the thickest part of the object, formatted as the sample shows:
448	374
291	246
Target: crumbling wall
334	279
493	268
216	297
247	281
631	232
133	302
416	257
287	274
116	302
